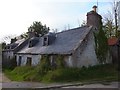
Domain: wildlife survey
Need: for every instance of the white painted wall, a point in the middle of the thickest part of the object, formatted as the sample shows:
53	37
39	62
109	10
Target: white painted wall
88	55
69	61
35	59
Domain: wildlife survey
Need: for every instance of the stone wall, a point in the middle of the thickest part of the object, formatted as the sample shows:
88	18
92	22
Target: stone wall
85	55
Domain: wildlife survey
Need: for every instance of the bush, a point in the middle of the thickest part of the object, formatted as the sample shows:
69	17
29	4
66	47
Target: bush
60	61
98	72
19	73
44	66
9	64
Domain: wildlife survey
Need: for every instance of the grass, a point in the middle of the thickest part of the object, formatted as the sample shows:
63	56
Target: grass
19	73
93	73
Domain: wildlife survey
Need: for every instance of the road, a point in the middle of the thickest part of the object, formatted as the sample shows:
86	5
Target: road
112	85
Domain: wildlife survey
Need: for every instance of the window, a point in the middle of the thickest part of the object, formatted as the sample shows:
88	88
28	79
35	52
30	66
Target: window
9	57
15	57
45	41
29	61
19	61
8	47
53	61
30	44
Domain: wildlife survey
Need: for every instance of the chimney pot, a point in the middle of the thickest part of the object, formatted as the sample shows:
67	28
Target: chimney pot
94	8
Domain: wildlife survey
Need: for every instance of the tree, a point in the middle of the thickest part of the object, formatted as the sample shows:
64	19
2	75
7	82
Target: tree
24	35
8	38
101	46
109	26
115	9
3	45
111	21
84	23
39	28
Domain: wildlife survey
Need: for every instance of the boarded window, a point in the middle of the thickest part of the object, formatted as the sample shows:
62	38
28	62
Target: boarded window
19	61
29	61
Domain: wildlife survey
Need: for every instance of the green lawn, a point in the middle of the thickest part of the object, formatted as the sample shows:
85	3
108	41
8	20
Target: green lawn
105	72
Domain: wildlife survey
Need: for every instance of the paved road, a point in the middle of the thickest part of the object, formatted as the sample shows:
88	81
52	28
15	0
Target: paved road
40	85
108	85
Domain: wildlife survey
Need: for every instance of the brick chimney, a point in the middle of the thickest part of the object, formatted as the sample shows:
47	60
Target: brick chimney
94	19
13	40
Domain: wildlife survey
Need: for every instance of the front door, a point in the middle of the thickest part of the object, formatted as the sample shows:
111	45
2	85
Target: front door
29	61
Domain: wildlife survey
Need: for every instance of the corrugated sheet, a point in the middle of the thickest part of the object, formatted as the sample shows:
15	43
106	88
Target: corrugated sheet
64	43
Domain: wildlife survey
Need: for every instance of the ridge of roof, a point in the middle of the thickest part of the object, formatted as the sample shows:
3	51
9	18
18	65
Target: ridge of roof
72	29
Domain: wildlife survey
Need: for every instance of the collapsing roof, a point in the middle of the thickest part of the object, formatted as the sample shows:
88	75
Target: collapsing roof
14	45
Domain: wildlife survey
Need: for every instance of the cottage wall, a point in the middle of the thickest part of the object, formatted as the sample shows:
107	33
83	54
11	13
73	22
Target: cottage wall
8	54
35	59
114	53
85	55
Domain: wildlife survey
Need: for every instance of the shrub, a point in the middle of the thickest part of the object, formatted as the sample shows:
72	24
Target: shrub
60	61
101	46
44	66
9	63
98	72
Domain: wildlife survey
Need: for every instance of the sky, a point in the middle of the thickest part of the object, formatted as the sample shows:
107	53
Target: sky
17	15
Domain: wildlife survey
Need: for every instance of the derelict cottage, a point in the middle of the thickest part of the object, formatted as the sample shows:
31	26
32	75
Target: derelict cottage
76	45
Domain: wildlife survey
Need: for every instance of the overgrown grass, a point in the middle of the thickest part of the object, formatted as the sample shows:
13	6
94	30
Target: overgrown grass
101	72
19	73
98	72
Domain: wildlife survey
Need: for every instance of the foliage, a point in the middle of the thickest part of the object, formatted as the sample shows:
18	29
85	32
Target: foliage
24	35
44	65
39	28
101	46
60	61
109	28
19	73
10	64
98	72
3	45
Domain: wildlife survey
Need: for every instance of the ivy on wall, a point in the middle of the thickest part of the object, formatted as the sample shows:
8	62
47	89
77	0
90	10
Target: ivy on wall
45	64
101	46
60	61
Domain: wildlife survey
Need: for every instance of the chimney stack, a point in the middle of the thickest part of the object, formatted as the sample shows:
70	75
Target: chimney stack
13	40
94	19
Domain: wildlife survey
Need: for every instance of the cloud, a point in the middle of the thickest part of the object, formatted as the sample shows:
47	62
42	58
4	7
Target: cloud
17	15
